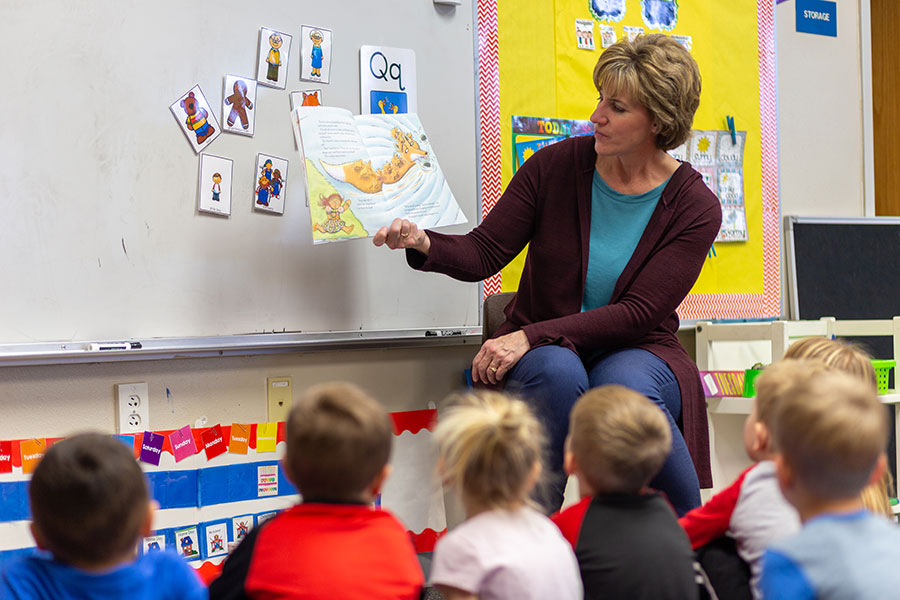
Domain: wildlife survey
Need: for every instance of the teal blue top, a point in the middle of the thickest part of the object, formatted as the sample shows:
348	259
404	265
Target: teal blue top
617	224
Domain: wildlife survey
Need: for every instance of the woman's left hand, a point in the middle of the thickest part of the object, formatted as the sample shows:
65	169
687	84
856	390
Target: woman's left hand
498	356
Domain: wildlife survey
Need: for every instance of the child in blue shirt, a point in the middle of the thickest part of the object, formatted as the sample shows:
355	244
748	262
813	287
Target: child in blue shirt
830	434
90	507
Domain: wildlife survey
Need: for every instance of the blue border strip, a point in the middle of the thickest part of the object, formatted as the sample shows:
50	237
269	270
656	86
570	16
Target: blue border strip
172	489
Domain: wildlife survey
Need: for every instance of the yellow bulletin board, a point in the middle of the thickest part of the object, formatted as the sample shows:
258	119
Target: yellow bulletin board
536	69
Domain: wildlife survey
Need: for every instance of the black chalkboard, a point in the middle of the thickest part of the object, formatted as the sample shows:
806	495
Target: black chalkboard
843	268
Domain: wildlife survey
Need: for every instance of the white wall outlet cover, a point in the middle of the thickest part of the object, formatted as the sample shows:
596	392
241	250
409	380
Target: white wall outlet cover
132	408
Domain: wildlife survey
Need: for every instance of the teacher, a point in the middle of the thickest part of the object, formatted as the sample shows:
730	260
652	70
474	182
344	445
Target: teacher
617	232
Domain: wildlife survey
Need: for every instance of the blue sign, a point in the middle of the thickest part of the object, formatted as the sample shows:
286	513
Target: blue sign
387	103
817	16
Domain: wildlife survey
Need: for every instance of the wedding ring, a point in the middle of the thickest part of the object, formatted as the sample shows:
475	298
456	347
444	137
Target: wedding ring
494	369
404	235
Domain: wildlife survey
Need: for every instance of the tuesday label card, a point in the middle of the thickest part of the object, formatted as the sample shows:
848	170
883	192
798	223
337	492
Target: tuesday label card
32	453
240	438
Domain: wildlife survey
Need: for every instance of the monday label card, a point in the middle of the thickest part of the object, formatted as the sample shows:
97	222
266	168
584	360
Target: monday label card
182	443
5	457
213	442
151	448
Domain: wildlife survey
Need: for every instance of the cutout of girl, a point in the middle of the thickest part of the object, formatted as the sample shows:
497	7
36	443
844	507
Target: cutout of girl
334	206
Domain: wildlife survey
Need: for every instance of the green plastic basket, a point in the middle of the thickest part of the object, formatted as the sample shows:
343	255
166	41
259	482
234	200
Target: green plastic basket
882	372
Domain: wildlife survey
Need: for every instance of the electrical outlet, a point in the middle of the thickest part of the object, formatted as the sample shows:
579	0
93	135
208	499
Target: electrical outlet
279	390
132	408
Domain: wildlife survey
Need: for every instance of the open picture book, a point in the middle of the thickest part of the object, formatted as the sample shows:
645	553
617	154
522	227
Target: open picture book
363	171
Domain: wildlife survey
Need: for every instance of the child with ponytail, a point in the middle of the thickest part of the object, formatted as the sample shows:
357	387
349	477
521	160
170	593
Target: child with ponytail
490	453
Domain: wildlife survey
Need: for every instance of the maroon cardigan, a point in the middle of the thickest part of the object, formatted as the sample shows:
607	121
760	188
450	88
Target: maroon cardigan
548	205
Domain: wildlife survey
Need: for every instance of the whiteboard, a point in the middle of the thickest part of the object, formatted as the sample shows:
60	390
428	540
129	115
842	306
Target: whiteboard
103	238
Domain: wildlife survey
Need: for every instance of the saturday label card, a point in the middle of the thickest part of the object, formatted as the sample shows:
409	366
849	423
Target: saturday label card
151	448
182	443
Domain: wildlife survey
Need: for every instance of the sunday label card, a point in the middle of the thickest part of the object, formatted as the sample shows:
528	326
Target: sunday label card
182	442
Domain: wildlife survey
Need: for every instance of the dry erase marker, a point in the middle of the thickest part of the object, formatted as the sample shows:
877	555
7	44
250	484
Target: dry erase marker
443	332
100	346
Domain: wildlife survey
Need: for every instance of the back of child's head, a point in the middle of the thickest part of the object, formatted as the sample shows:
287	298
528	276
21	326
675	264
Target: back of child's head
619	439
831	429
490	449
338	441
89	500
836	354
776	381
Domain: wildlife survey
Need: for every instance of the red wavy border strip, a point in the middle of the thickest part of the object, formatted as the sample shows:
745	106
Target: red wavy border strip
413	421
426	539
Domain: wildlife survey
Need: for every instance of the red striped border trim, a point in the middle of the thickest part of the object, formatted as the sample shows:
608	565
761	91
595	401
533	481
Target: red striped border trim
489	117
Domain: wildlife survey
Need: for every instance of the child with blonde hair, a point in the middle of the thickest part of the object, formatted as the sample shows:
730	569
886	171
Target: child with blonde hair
830	431
490	449
626	538
852	360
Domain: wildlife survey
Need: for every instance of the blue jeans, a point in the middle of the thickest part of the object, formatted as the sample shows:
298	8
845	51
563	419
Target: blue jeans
552	378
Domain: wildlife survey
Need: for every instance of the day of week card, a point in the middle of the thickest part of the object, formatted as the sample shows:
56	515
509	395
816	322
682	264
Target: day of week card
213	442
32	453
182	443
240	438
266	437
151	448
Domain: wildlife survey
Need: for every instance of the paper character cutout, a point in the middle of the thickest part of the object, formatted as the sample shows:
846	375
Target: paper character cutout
195	117
632	32
607	10
334	206
214	195
266	437
182	442
262	518
315	53
274	51
685	40
151	448
216	538
273	59
185	541
240	438
240	527
154	543
240	104
306	98
5	457
607	36
271	178
213	442
584	34
32	453
659	14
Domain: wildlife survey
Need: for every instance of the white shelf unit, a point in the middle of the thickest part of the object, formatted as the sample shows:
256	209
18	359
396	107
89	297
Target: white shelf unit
781	334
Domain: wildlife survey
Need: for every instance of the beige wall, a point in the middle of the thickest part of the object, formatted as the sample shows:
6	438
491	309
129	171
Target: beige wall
57	400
